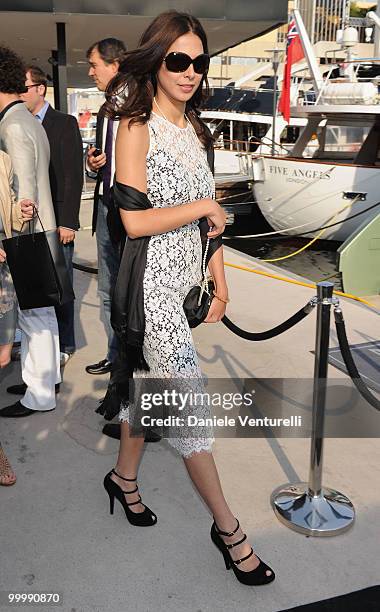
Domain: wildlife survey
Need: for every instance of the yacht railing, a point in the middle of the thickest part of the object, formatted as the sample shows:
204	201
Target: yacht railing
305	95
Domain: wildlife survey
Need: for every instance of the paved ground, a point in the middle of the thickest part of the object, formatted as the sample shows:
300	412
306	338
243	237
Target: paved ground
57	535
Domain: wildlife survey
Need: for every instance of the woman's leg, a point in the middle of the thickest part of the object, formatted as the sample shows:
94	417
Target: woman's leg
202	471
128	463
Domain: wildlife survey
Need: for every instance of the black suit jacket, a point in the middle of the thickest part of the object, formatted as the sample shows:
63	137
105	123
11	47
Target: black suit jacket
66	166
115	226
99	178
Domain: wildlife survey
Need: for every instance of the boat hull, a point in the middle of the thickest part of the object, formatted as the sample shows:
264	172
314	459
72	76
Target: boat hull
294	192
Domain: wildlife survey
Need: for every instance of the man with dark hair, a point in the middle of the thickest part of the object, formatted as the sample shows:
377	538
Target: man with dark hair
104	58
66	182
25	141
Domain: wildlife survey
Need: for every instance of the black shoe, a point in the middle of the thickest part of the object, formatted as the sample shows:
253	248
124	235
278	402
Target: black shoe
102	367
112	430
21	389
255	577
16	410
139	519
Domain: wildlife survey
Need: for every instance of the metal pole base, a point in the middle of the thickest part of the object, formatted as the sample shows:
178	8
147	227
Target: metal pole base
328	514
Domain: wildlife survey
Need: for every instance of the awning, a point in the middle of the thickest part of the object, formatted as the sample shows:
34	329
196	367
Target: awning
29	27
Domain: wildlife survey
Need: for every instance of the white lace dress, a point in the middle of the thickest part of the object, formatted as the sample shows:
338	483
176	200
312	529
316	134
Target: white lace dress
177	173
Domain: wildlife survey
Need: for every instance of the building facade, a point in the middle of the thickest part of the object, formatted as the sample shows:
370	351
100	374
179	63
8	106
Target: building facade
322	19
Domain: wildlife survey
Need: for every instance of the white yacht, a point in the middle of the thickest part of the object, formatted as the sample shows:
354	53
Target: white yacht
332	172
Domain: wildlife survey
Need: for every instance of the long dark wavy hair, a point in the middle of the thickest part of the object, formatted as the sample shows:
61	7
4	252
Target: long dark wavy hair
138	70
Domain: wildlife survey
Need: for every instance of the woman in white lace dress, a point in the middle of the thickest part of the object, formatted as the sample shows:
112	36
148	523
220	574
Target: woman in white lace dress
161	158
177	172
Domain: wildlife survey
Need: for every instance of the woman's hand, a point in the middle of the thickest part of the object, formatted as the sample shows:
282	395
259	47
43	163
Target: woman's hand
28	209
3	256
216	312
216	219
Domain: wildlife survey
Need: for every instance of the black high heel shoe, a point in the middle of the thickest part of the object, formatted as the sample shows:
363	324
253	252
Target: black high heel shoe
255	577
139	519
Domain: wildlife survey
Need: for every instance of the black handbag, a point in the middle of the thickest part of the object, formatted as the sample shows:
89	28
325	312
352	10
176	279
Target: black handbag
198	301
38	268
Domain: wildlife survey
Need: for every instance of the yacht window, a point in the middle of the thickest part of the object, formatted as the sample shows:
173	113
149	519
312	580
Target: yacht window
345	138
340	141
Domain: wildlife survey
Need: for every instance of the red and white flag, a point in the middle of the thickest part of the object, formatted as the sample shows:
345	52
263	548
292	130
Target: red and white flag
294	53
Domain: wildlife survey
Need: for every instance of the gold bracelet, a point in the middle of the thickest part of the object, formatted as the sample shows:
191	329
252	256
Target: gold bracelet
221	299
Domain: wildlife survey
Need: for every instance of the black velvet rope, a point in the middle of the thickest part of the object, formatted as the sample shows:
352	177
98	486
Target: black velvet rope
349	362
270	333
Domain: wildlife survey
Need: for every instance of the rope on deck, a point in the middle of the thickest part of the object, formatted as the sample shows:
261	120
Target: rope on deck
275	235
91	270
296	282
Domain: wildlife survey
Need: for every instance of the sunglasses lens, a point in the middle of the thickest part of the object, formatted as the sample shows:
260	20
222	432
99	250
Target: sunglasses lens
201	63
177	62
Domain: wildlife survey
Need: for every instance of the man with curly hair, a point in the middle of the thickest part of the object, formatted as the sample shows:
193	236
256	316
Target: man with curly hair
25	141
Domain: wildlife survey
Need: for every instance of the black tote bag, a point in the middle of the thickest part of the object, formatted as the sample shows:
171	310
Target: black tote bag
38	268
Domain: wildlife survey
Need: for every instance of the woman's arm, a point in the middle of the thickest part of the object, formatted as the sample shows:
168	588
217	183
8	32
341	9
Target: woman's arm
216	268
132	145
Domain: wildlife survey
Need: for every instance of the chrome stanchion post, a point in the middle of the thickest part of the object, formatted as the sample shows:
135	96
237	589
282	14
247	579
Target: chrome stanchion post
324	297
310	508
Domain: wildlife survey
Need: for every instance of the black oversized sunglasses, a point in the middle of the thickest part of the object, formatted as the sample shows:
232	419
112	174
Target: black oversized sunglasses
179	62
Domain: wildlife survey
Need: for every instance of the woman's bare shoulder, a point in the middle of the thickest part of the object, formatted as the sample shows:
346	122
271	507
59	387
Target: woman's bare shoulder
133	134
